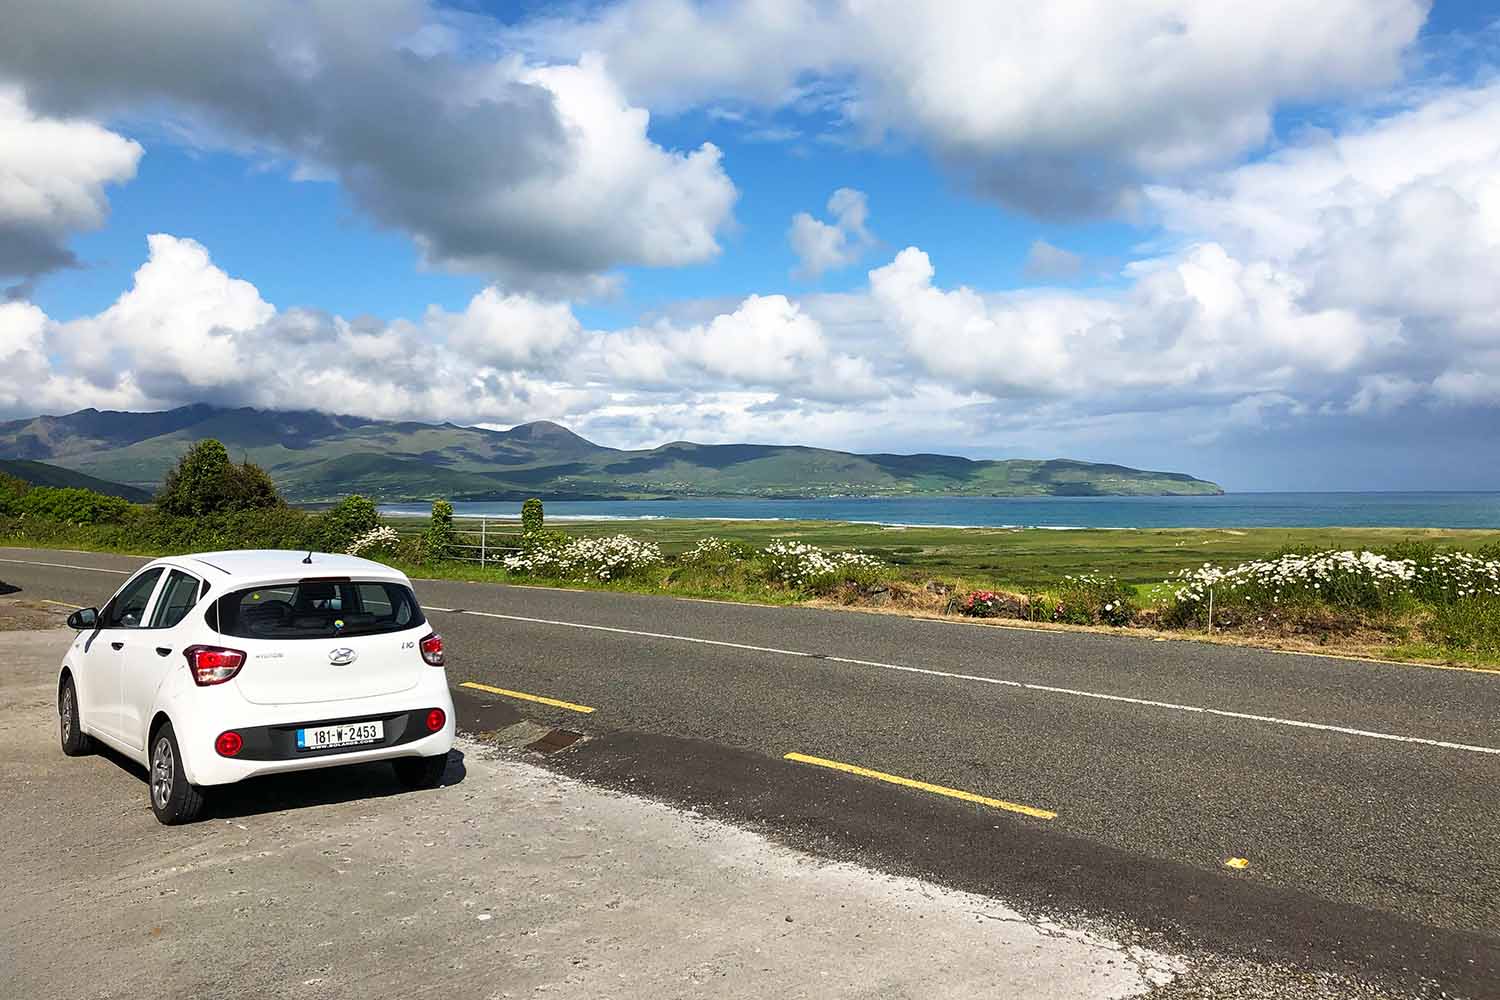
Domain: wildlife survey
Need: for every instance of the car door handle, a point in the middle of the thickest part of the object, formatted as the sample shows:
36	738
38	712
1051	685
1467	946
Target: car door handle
117	645
163	651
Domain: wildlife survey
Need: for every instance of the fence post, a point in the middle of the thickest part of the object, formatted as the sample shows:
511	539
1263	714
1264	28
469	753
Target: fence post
484	526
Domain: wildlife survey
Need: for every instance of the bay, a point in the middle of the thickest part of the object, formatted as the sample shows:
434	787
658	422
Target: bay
1231	510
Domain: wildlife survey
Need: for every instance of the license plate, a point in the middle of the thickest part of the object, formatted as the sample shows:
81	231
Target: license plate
347	735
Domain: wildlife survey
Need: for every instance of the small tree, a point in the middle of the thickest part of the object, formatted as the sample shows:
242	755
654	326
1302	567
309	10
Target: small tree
531	517
205	481
345	521
440	535
193	484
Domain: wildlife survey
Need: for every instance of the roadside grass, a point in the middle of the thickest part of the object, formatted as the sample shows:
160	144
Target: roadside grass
1113	579
1026	559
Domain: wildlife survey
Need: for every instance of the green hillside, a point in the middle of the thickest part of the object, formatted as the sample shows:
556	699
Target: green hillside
315	456
41	474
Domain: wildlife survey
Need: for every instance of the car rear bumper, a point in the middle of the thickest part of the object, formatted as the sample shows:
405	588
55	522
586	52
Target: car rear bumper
270	741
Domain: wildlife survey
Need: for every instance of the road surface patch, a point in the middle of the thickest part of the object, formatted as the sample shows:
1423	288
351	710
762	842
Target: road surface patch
896	779
539	699
557	739
53	565
1001	682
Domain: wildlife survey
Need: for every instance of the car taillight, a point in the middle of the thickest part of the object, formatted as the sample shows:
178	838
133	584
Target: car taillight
229	743
432	649
213	664
435	720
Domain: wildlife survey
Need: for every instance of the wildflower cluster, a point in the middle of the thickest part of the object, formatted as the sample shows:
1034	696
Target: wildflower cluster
587	558
716	550
1365	580
799	565
981	604
1446	577
381	539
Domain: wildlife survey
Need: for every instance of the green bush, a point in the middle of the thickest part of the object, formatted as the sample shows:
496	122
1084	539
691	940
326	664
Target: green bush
1092	599
345	521
205	481
531	516
70	505
440	537
151	530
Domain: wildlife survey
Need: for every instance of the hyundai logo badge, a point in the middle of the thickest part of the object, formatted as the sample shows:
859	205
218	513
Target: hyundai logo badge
342	656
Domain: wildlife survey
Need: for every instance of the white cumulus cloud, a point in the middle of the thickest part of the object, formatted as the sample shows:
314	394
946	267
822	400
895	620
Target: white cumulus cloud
1057	107
826	246
53	175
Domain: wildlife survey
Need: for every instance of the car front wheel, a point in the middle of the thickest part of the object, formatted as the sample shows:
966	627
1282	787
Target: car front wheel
75	742
421	772
173	798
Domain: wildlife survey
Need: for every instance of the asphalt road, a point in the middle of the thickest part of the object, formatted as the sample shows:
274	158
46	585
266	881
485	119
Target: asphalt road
1365	798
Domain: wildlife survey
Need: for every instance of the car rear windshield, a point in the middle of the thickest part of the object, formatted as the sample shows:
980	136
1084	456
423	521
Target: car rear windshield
316	609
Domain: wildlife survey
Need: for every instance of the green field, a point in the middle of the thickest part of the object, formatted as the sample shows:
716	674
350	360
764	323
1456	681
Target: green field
1027	558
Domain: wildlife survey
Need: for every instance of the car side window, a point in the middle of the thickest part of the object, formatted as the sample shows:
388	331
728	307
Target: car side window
176	600
128	608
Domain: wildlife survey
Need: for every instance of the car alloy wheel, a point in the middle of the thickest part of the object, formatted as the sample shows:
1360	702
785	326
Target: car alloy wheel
163	772
65	714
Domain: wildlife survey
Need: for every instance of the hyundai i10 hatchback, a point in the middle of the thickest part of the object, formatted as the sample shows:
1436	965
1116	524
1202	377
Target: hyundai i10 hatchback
212	668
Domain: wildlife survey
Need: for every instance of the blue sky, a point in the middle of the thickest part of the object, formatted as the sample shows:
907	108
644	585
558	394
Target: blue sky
1213	260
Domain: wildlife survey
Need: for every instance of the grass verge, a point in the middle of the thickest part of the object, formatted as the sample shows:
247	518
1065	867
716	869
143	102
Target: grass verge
1087	579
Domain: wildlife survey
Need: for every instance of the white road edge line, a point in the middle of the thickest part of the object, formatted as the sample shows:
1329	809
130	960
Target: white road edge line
90	569
1145	702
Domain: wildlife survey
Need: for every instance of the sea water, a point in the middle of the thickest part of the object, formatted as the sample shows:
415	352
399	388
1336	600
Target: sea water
1232	510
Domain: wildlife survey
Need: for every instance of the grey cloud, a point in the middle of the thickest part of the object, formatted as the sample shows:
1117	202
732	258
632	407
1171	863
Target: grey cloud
28	251
471	158
1049	263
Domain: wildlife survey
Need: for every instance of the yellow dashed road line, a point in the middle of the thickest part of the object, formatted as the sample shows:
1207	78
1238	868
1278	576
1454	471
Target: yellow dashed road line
527	697
896	779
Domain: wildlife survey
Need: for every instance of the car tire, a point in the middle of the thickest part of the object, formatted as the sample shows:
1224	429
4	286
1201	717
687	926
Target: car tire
75	742
174	799
421	772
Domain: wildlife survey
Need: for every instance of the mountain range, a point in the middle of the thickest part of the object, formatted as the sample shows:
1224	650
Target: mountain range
317	456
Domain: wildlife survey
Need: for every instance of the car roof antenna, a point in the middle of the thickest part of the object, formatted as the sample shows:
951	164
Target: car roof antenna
307	559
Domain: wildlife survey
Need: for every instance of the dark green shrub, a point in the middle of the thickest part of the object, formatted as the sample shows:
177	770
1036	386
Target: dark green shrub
440	537
249	487
536	541
11	491
531	516
345	521
205	481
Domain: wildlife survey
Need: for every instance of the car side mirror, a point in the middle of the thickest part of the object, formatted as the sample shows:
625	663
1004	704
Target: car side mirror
83	618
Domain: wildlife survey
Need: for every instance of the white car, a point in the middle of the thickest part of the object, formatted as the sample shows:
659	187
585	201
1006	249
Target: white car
212	668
